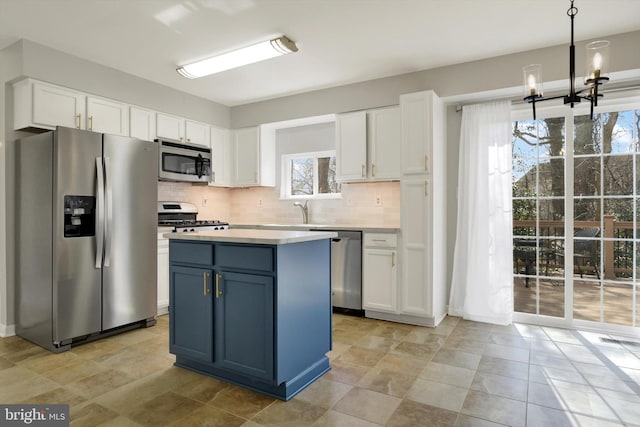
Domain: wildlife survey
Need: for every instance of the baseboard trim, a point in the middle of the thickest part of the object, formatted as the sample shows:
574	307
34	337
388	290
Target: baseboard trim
7	330
403	318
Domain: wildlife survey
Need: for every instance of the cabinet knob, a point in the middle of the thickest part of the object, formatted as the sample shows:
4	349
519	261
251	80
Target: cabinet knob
363	171
393	259
373	169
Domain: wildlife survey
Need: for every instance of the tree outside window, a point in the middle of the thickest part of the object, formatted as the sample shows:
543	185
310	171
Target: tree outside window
310	175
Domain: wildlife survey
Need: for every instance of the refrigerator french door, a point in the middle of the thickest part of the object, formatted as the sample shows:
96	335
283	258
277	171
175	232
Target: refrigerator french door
86	235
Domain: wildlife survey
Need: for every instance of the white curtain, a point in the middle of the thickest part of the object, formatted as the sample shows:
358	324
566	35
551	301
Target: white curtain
481	288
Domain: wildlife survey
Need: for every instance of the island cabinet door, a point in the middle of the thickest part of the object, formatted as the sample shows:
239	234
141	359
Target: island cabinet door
191	313
244	324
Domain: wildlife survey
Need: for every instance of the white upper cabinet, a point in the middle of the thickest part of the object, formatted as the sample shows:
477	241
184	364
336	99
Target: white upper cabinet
253	157
419	113
42	105
181	129
351	146
385	140
368	145
220	171
197	133
107	116
142	123
171	127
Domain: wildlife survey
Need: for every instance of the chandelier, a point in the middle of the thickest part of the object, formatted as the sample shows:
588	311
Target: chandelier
596	69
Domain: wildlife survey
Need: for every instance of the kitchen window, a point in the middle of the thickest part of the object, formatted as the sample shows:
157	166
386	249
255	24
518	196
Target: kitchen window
309	175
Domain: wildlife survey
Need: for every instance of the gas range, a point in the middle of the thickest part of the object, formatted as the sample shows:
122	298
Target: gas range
181	216
188	225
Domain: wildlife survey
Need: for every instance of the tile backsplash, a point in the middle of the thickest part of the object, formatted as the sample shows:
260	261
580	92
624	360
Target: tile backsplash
376	203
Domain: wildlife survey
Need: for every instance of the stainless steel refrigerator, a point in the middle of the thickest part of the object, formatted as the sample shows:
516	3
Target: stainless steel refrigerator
86	236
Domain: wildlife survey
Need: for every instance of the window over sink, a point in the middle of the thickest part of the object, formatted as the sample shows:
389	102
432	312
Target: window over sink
309	175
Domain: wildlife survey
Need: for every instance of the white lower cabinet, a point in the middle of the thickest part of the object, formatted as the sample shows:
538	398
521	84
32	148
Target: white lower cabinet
380	272
163	275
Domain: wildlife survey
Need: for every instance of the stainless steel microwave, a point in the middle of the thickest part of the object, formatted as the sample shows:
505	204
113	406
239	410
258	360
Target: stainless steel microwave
183	162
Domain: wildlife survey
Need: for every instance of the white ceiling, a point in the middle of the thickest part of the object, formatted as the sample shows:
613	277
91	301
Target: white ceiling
339	41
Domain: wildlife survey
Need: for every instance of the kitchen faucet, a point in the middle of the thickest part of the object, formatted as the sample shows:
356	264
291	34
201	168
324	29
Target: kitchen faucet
305	210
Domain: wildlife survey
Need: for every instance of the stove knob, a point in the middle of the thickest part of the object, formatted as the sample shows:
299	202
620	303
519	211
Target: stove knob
184	230
173	231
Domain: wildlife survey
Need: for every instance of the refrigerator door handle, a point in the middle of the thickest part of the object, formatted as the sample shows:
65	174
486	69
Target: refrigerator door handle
108	229
100	212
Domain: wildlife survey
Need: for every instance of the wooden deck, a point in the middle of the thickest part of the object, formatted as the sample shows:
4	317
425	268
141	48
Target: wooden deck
617	304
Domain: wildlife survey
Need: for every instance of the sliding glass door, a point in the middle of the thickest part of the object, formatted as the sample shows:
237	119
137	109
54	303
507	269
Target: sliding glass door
576	211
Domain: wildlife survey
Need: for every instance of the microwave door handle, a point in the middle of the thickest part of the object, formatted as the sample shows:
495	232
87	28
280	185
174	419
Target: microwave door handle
99	212
108	229
201	163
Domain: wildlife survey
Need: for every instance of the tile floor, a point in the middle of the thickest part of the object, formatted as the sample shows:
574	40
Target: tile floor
458	374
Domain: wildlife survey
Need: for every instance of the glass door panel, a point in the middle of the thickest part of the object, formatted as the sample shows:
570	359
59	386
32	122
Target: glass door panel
605	218
539	216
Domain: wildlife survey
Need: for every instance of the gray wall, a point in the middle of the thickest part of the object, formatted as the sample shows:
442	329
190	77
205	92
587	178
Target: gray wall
57	67
456	80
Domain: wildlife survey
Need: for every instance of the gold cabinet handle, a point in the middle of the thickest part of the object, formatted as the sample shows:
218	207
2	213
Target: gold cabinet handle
426	163
363	169
426	188
373	169
205	290
181	138
79	117
393	259
218	291
188	139
90	122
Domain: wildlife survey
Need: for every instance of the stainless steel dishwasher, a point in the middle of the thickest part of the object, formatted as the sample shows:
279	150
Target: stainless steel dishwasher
346	270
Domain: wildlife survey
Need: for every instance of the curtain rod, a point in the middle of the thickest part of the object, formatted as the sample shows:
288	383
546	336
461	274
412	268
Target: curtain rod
518	100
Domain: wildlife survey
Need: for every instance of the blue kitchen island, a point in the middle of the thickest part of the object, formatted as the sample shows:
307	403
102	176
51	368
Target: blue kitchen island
252	307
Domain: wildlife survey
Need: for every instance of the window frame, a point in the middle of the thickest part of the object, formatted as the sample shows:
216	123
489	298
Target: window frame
285	182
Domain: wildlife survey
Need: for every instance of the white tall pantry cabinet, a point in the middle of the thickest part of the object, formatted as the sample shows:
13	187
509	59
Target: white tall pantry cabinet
423	208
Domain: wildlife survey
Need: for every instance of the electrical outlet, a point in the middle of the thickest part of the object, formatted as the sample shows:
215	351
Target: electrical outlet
378	200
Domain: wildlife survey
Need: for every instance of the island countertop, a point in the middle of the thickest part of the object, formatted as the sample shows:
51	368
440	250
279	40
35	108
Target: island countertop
260	237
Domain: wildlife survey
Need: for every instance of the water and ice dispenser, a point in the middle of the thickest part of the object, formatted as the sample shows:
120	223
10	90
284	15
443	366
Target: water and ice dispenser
79	216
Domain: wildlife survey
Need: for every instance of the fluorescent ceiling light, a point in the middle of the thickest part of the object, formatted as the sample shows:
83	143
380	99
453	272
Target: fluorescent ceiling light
237	58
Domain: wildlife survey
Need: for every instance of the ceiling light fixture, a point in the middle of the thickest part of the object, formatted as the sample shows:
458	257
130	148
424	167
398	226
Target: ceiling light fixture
597	68
237	58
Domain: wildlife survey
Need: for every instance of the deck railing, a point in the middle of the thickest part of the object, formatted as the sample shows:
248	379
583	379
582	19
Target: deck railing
617	239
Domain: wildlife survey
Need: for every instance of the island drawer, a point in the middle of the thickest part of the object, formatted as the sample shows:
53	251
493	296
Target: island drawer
245	257
191	253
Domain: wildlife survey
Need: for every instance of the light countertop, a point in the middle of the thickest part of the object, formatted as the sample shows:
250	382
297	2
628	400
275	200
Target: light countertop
253	236
303	227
